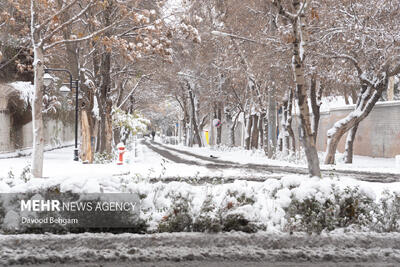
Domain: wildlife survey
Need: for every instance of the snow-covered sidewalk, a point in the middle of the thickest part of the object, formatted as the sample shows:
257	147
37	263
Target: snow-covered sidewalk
59	164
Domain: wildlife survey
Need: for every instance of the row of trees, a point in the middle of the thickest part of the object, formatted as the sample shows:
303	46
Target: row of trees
101	43
257	53
214	59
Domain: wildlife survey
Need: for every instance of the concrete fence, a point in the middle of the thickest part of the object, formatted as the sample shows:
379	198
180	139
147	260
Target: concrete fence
378	135
56	133
16	126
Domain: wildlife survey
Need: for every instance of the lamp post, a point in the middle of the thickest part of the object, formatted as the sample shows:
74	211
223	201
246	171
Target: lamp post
72	84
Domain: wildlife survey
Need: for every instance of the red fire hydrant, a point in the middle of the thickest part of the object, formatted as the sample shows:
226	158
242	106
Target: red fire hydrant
121	151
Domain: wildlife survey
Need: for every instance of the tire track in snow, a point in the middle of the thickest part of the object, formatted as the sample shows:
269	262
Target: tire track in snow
360	175
262	247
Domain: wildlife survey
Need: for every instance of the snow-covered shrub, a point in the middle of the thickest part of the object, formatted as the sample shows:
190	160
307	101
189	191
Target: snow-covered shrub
10	175
237	222
128	124
341	208
179	218
103	158
226	215
387	218
208	219
26	173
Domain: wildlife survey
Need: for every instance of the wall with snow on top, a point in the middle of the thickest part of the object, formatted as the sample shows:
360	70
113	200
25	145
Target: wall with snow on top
15	120
378	134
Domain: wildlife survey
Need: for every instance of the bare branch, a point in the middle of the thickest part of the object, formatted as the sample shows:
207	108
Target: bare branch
62	10
87	37
282	11
68	22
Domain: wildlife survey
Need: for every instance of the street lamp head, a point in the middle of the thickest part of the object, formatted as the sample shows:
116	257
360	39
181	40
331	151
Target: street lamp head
64	90
48	79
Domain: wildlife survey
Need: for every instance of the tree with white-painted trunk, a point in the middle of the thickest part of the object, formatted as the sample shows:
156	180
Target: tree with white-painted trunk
42	32
299	38
45	33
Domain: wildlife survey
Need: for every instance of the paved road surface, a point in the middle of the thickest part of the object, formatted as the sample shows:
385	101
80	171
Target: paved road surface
201	249
172	154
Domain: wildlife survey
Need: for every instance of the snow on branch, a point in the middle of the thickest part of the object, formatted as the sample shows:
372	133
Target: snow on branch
395	71
361	75
132	91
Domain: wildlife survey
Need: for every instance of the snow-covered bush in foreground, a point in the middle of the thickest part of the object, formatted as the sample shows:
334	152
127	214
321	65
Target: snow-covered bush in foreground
293	203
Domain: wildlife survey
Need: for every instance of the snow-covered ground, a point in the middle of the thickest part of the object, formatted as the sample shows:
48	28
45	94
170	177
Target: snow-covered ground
240	155
261	202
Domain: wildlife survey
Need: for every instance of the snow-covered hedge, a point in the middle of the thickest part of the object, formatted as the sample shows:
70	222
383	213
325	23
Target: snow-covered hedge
293	203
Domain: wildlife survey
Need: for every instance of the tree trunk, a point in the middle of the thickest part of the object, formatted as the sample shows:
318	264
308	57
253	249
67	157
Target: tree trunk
348	153
266	137
86	149
353	95
219	129
254	132
248	132
289	121
366	101
315	97
232	130
232	122
307	136
272	130
194	122
37	117
285	131
212	130
109	132
105	104
261	130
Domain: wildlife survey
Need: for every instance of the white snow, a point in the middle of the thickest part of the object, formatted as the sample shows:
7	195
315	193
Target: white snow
26	90
269	197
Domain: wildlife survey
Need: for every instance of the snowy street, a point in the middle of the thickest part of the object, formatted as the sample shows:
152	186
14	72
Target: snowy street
195	249
157	161
204	157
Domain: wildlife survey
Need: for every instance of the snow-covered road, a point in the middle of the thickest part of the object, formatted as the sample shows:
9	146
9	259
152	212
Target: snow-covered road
197	158
199	249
